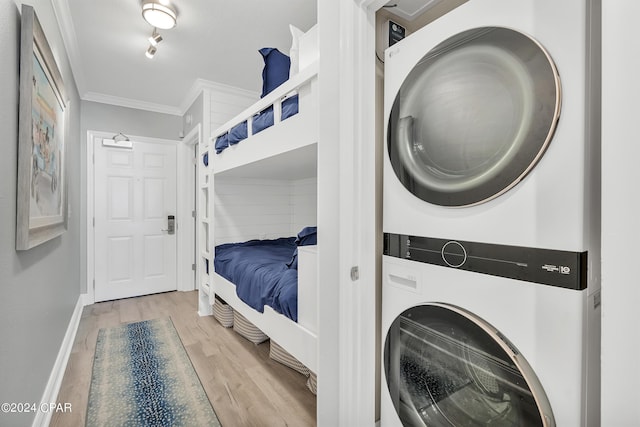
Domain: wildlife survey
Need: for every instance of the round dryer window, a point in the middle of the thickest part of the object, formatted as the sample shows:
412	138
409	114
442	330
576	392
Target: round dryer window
474	116
445	367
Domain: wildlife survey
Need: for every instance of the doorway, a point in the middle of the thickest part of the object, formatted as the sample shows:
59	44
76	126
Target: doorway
135	210
132	196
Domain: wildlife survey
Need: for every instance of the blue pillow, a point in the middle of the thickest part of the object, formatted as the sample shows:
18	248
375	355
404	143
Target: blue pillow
306	237
275	71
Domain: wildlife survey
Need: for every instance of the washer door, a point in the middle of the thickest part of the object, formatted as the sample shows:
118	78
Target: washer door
473	116
446	367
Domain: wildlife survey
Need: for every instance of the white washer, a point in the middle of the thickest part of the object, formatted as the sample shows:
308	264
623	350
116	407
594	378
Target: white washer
490	218
545	325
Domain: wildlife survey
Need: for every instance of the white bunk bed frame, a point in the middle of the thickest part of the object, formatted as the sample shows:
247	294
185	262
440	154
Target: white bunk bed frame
287	147
283	138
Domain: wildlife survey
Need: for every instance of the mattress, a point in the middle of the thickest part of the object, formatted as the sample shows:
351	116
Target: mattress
259	270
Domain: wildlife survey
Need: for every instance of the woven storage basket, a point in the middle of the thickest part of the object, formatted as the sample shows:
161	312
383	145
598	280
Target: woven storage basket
312	383
223	313
247	329
279	354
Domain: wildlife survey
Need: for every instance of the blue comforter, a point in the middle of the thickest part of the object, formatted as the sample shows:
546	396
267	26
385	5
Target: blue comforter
260	122
259	270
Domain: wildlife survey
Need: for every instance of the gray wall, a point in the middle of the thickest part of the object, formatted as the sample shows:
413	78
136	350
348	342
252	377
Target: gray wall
40	287
129	121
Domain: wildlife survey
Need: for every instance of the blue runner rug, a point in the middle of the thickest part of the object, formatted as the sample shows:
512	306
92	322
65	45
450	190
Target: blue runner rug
142	377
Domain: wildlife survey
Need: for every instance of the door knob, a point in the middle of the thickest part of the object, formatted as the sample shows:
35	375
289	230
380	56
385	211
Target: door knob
171	224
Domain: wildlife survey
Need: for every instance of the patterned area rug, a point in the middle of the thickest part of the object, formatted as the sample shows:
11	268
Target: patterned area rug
142	376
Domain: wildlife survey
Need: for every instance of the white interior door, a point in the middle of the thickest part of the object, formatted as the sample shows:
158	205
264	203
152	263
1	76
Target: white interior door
135	192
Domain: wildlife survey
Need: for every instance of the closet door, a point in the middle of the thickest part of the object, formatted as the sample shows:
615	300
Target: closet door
135	193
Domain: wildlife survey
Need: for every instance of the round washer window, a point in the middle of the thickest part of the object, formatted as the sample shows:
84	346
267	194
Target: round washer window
474	116
446	367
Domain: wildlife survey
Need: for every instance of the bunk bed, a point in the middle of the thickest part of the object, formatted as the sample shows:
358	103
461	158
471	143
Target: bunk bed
274	140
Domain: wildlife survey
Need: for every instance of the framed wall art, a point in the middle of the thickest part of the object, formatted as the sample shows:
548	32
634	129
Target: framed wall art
42	138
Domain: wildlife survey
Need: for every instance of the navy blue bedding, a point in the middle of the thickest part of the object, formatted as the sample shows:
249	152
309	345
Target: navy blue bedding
237	133
222	142
259	123
265	118
259	270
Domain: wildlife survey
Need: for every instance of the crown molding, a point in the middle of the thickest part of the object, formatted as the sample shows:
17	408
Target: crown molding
69	38
131	103
67	30
200	85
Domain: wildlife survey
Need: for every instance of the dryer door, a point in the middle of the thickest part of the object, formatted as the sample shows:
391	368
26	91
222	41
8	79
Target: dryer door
473	116
446	367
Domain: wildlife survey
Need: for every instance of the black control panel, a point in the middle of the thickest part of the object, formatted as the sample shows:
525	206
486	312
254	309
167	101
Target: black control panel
563	269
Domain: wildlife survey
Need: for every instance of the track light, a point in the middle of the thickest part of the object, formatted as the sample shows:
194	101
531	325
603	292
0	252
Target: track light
159	15
150	52
155	38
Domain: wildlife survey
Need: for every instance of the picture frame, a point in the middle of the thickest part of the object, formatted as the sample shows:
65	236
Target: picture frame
41	211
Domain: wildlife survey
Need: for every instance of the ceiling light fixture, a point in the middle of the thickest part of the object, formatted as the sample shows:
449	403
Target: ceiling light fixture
159	15
150	52
155	38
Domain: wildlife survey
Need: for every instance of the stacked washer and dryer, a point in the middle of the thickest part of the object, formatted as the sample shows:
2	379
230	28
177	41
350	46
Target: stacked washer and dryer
490	299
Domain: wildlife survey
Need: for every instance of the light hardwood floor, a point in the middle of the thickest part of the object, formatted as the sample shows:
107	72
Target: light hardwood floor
245	387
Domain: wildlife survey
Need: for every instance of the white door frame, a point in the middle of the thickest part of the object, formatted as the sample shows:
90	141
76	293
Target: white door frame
90	180
347	388
186	200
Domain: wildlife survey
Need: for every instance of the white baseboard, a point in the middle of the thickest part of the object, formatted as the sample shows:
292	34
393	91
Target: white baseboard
50	395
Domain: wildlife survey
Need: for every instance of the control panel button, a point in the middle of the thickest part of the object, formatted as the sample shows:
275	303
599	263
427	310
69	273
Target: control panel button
454	254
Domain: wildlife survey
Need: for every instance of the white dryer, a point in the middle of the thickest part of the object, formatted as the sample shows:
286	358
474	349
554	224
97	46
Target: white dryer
490	300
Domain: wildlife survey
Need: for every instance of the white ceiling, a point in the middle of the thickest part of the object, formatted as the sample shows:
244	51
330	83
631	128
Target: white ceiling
214	40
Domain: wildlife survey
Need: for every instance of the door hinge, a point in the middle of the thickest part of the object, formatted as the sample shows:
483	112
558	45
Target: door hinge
193	267
193	214
94	221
